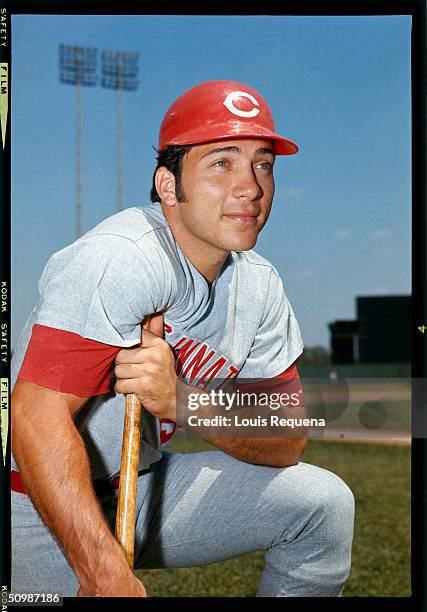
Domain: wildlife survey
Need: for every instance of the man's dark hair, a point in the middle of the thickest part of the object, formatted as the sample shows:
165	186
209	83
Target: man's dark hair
171	158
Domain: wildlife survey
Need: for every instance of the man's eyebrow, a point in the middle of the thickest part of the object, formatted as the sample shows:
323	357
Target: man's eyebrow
265	150
234	149
221	150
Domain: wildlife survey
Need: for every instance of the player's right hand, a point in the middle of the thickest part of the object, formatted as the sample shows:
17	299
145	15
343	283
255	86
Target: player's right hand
148	371
132	587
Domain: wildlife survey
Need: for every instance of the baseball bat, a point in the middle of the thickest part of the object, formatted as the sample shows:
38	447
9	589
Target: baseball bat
126	502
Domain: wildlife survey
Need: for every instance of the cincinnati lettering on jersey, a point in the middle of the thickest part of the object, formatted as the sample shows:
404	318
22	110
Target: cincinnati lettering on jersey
197	361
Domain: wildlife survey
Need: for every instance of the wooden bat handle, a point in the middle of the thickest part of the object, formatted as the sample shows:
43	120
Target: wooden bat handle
126	503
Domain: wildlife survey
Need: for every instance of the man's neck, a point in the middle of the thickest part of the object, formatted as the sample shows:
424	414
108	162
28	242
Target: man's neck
208	266
207	259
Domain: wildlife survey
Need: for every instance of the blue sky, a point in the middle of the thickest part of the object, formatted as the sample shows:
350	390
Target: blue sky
338	86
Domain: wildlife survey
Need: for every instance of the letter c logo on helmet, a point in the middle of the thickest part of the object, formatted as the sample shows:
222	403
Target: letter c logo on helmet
229	104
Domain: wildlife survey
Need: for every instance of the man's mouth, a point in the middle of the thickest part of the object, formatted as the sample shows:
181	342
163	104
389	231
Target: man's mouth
241	217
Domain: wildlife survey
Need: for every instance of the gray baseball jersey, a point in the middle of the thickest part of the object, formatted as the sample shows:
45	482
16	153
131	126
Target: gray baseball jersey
103	285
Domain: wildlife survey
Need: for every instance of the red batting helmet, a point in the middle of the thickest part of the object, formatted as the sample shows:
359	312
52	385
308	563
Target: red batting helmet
220	110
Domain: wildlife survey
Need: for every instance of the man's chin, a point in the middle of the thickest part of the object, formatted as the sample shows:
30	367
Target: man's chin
240	244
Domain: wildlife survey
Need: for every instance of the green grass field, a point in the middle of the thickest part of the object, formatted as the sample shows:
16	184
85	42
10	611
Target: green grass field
379	476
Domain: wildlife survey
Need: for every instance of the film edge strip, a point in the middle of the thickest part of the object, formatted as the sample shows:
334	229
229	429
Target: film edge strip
5	280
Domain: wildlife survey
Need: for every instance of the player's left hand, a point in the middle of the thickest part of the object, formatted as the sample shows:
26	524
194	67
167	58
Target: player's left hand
149	372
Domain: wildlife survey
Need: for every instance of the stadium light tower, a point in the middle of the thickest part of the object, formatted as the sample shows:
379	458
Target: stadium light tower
78	67
119	72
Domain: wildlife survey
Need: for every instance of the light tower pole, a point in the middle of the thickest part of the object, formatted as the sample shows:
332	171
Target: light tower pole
119	72
78	67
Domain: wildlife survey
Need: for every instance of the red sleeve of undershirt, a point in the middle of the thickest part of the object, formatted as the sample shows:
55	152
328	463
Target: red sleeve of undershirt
290	374
291	382
287	382
66	362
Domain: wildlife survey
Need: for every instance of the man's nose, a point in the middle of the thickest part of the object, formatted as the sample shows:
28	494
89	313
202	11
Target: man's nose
246	185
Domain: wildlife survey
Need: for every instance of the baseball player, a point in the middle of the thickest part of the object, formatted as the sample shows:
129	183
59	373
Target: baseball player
219	311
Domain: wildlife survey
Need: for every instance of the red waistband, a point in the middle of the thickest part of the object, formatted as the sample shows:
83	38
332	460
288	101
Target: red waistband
17	485
16	482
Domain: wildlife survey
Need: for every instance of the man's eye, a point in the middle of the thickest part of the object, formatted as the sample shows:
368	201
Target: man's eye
221	163
264	166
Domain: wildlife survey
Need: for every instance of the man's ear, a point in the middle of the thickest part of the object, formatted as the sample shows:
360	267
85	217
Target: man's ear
165	186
